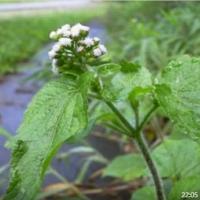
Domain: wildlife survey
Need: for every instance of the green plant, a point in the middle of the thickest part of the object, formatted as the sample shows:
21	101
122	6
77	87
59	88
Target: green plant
59	113
153	33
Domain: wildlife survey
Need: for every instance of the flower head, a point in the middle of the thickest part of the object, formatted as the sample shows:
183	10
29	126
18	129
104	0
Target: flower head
88	42
97	52
73	48
100	50
79	29
65	41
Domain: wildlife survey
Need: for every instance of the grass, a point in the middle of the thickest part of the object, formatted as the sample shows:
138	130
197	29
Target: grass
21	37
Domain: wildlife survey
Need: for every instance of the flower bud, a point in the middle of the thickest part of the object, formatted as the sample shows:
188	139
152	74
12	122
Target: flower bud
96	40
53	35
79	29
103	48
65	42
88	42
66	27
97	52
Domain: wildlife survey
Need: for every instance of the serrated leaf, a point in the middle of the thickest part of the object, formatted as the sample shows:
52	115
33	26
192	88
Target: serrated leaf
177	158
127	167
120	86
57	112
178	93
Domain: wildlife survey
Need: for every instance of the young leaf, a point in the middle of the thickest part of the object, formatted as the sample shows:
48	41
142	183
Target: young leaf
178	93
108	69
127	167
57	112
130	77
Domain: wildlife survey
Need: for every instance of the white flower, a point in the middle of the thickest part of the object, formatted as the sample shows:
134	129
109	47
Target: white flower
54	67
73	44
52	54
66	27
63	32
66	33
88	42
77	29
96	39
80	48
103	48
53	35
56	47
97	52
65	41
59	31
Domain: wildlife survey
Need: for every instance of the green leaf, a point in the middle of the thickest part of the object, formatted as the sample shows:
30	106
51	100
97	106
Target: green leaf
177	158
57	112
108	69
147	192
178	93
171	158
190	185
83	133
124	82
127	167
139	91
128	67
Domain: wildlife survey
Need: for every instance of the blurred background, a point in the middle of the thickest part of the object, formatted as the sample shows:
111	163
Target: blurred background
151	33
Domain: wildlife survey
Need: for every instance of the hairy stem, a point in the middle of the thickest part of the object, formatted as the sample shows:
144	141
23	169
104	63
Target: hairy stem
152	168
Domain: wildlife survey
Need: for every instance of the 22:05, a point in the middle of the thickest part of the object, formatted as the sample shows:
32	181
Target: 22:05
185	195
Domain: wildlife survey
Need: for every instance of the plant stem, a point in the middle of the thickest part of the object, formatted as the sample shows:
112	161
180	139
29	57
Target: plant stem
152	168
122	119
146	118
136	134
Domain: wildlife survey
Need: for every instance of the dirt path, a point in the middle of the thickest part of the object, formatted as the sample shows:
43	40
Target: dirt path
10	9
64	4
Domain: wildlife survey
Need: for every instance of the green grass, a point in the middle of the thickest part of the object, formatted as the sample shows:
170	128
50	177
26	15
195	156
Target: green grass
21	37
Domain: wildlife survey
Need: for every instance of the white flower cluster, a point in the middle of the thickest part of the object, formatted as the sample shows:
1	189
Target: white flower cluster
73	46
